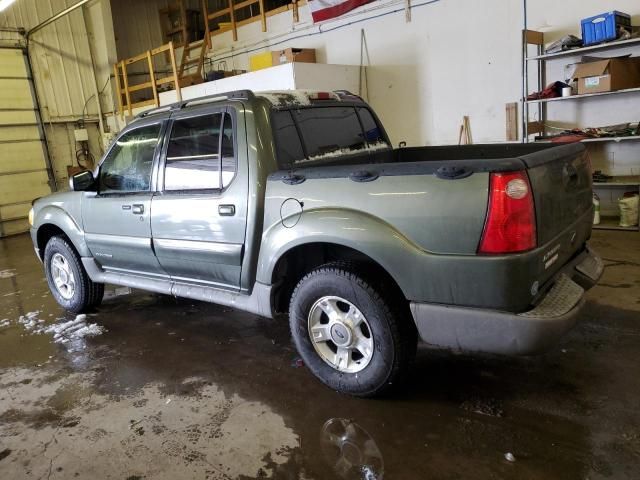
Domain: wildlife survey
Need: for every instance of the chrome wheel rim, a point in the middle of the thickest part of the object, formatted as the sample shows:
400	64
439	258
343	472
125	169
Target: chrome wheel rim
340	334
62	276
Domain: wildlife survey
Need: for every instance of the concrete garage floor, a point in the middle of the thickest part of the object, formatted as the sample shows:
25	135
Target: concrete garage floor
177	389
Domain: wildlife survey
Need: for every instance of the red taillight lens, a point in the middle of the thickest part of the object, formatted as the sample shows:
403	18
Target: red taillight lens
511	221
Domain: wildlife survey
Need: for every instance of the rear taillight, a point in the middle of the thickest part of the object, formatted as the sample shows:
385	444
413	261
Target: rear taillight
511	220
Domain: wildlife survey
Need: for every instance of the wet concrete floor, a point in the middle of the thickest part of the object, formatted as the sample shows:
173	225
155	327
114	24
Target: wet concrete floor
180	389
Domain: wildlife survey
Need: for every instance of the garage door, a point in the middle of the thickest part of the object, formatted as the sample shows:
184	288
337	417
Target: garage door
23	158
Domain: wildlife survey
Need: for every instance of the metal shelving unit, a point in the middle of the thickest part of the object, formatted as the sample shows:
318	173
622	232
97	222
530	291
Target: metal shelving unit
607	191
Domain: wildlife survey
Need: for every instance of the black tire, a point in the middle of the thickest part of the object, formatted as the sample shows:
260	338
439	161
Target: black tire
86	294
394	335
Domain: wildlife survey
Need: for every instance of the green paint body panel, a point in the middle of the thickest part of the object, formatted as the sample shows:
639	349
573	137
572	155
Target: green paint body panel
423	229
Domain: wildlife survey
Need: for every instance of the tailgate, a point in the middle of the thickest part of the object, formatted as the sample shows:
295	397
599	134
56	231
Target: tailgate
561	182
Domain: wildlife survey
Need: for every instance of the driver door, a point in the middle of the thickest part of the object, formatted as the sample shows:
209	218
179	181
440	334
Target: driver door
116	219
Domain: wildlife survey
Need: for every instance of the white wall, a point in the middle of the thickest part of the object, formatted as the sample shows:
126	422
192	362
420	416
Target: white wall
455	58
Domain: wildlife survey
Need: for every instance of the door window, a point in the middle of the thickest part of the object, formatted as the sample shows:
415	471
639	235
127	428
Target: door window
199	157
127	167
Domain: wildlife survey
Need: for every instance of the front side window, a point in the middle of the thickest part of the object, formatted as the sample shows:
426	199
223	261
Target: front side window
201	153
127	167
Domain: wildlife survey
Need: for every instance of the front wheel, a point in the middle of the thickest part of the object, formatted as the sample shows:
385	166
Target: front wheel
350	335
68	281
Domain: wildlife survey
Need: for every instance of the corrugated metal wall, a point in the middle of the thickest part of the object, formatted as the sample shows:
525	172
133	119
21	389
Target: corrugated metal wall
137	24
63	74
60	56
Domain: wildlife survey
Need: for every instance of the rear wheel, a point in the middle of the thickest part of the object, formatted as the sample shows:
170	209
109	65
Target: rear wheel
68	281
350	335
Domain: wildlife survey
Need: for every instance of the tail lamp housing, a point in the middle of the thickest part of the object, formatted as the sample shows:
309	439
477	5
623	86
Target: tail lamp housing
510	225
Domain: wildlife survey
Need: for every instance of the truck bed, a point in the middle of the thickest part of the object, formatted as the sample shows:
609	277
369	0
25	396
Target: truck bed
436	199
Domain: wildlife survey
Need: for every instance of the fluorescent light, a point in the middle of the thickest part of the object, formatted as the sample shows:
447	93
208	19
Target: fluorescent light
5	3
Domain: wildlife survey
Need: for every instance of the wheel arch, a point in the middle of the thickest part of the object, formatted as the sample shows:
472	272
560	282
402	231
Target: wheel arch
55	221
342	232
299	260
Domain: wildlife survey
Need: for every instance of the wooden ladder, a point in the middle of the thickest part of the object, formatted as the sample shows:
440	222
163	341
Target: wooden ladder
187	61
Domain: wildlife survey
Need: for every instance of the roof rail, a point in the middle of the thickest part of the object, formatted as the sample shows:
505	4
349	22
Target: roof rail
154	111
216	97
346	94
233	95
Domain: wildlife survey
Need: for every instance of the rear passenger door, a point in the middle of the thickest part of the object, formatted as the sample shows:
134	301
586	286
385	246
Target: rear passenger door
199	215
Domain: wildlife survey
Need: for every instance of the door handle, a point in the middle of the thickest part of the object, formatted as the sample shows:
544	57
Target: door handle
138	209
227	210
126	207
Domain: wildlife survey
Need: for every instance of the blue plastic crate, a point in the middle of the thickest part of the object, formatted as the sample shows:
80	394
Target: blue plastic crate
603	27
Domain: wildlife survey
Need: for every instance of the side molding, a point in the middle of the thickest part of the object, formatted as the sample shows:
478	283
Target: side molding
259	302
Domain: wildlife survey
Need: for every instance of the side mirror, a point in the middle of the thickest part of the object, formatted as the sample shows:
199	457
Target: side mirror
81	181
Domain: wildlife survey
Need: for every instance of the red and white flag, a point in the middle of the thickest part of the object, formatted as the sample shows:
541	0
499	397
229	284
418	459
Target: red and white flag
326	9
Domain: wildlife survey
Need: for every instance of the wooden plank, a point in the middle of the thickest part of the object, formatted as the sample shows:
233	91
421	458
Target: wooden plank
144	103
534	38
140	86
203	52
137	58
116	75
205	16
152	75
175	70
185	29
163	80
535	127
244	4
233	21
263	18
511	111
219	13
157	50
126	86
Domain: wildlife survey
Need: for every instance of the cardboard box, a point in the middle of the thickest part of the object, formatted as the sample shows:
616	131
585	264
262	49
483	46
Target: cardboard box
260	61
288	55
608	75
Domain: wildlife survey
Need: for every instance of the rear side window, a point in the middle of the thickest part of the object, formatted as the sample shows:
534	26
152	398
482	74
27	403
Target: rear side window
288	146
322	133
372	132
201	154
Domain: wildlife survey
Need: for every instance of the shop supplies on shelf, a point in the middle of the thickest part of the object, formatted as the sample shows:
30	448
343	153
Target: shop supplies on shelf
628	205
553	90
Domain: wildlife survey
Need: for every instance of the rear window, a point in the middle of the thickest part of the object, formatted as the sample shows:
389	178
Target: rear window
321	133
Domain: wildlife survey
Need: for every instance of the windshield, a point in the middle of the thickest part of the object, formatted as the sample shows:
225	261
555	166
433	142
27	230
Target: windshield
320	133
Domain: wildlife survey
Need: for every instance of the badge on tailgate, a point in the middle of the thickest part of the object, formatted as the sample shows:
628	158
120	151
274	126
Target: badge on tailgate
551	257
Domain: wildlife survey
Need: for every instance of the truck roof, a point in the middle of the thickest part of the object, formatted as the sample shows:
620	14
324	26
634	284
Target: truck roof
277	98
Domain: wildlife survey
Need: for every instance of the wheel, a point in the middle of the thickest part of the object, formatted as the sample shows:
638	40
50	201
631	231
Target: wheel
350	335
68	281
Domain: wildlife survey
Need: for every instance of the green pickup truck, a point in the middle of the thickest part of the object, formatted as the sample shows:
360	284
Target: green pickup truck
296	202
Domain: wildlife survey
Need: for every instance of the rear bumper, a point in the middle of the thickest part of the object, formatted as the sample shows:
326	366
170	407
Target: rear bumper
492	331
